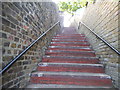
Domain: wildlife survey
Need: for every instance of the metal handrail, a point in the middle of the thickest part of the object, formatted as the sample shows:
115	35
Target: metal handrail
114	49
25	50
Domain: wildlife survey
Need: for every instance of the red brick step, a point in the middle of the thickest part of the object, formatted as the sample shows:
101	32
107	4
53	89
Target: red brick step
69	48
67	44
78	38
70	35
85	79
68	67
69	40
66	59
72	53
63	40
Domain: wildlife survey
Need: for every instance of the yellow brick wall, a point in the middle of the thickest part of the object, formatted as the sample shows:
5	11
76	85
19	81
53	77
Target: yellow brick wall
103	17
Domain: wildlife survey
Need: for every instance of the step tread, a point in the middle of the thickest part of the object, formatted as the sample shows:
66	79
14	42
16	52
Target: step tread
75	45
64	78
70	47
70	57
71	67
70	53
78	37
70	34
64	51
60	39
63	86
70	39
41	73
69	42
71	64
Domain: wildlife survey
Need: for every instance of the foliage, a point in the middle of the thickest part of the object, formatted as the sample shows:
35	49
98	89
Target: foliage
72	6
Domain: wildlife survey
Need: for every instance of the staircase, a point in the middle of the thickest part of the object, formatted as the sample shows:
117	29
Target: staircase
70	62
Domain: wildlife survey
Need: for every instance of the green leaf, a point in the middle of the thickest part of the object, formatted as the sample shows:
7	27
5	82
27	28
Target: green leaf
72	6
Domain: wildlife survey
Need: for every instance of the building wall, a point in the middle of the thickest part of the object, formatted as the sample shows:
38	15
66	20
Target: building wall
102	17
22	23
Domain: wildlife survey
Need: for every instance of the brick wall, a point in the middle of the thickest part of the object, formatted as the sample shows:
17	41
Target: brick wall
102	17
22	23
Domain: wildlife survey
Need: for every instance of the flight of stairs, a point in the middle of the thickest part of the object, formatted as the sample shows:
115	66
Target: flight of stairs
70	62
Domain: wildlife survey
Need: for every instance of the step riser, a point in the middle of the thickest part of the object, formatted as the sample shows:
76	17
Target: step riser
68	49
70	44
59	61
72	81
69	41
71	47
88	69
70	35
72	38
65	60
66	46
70	54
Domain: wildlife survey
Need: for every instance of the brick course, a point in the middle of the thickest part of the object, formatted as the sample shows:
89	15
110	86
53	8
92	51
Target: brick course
22	23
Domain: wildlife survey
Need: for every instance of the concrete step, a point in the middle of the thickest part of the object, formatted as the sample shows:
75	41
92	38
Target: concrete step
68	86
68	53
69	40
69	44
70	59
69	48
68	78
78	38
70	35
80	41
71	67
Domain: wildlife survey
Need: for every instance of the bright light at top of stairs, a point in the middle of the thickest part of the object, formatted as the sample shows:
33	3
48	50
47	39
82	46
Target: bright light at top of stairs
57	1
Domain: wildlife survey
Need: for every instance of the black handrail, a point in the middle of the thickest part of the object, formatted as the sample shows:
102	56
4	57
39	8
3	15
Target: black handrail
25	50
114	49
